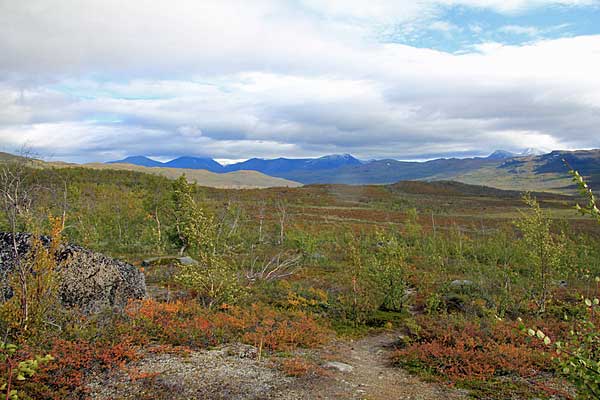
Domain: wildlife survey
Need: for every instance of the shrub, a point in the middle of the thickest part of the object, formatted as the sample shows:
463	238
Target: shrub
189	324
64	378
34	283
466	350
16	368
543	249
388	267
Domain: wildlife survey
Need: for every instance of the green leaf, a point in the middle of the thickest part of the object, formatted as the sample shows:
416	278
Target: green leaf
547	341
540	334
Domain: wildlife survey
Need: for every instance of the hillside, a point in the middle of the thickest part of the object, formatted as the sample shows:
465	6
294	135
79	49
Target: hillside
231	180
545	172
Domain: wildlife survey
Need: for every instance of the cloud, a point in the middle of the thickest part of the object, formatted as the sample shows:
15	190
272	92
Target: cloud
520	30
443	26
235	79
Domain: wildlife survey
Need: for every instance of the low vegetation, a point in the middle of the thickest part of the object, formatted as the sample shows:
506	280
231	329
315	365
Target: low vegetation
461	278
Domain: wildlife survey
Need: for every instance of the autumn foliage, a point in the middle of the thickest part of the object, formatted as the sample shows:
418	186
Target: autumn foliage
187	323
463	350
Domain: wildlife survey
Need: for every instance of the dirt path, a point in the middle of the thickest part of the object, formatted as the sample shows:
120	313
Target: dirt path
232	372
372	377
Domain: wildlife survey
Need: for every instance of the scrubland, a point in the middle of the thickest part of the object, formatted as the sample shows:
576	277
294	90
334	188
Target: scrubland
489	291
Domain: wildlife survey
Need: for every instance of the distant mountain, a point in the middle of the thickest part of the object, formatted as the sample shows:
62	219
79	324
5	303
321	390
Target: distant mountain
279	167
538	172
501	155
182	162
282	167
195	163
142	161
274	167
390	171
501	169
332	161
532	152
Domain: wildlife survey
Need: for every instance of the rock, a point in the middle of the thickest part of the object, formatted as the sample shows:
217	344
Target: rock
152	261
339	366
186	260
241	350
461	283
89	281
563	284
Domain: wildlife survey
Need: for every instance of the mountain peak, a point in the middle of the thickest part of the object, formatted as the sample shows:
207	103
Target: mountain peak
344	156
500	155
138	160
531	151
190	162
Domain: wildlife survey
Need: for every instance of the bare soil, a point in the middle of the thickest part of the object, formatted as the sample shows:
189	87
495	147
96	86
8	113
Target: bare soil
234	372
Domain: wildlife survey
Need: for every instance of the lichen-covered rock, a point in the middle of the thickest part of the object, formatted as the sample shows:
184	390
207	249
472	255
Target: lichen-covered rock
88	280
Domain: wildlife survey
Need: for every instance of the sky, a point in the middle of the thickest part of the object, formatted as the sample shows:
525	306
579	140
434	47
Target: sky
98	80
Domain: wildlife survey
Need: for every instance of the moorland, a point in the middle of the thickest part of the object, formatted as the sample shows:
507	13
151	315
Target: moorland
471	287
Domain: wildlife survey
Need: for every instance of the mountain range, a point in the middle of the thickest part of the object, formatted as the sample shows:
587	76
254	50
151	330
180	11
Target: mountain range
530	169
274	167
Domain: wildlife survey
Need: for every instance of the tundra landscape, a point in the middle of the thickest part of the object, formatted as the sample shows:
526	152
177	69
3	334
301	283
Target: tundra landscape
305	199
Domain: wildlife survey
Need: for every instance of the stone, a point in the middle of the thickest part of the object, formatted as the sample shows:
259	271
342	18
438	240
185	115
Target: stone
166	260
89	281
339	366
461	283
187	261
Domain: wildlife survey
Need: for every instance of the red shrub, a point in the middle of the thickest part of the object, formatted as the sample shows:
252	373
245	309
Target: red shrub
467	350
189	324
65	376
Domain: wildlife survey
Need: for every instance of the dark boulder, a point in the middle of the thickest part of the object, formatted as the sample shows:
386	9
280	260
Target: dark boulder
89	281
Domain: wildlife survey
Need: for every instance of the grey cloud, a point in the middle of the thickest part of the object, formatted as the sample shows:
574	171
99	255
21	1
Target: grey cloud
236	79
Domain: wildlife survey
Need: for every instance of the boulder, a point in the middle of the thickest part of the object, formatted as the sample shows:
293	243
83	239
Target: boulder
339	366
461	283
168	260
89	281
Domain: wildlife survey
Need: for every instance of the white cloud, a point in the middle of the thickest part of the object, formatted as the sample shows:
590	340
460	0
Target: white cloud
232	79
520	30
443	26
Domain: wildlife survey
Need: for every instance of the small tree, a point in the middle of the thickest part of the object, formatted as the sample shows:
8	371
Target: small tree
191	226
388	269
41	280
212	278
361	298
16	199
542	248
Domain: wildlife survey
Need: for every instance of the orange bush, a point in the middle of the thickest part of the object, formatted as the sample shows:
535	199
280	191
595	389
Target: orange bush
467	350
65	376
298	367
189	324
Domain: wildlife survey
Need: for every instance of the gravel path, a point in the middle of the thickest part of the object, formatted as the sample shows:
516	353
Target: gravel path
372	377
360	371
